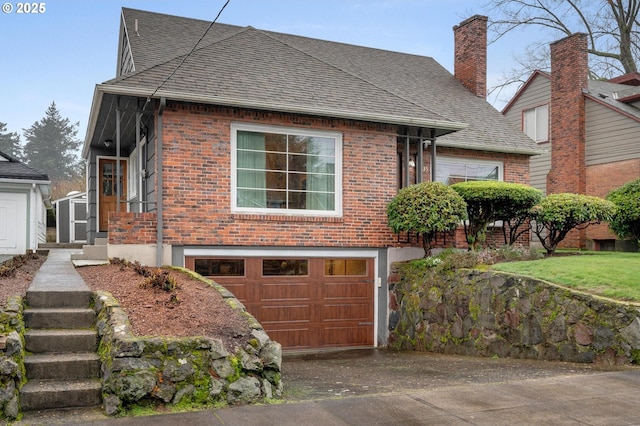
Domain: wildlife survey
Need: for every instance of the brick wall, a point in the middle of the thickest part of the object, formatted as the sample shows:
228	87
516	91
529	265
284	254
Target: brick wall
602	179
470	54
132	228
197	186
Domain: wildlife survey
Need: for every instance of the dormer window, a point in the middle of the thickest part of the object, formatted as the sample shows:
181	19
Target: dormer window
535	123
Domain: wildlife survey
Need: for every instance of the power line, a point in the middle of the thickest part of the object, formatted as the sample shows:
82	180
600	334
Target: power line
189	54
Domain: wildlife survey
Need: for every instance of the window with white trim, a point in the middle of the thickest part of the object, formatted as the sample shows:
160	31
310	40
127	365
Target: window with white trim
286	170
535	123
454	170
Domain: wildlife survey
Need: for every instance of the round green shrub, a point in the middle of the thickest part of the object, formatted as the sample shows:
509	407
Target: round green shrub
426	209
626	219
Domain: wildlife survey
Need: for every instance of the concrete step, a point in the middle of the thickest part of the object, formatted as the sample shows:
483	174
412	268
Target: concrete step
100	241
46	297
43	394
99	251
73	366
60	341
67	318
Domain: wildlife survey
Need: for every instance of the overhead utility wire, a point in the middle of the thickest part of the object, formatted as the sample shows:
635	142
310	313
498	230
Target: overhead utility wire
189	54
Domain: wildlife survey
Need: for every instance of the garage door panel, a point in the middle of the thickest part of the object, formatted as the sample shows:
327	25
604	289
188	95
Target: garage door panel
347	311
295	338
272	291
283	313
347	335
342	290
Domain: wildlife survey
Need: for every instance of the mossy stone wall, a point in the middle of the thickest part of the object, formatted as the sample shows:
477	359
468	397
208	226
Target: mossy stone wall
469	312
12	373
195	371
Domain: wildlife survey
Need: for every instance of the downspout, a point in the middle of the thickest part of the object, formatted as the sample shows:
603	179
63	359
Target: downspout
159	223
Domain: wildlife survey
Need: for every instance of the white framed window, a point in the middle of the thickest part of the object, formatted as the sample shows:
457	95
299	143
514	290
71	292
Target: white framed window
134	176
535	123
451	170
134	172
285	170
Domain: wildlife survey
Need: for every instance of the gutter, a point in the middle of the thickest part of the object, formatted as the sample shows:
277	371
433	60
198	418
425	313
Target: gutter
295	109
159	209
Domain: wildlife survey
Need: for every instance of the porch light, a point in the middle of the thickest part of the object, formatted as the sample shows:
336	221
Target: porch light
107	143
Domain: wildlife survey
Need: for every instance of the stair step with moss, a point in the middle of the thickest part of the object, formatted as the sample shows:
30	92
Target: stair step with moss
59	341
66	318
44	394
71	366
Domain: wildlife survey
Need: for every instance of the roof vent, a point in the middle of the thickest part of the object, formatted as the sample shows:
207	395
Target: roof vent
614	95
602	95
135	27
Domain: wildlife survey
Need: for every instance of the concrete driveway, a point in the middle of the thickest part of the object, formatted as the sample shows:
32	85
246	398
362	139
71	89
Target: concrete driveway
380	387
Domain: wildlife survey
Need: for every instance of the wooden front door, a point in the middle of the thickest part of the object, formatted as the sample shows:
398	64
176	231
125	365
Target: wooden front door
110	189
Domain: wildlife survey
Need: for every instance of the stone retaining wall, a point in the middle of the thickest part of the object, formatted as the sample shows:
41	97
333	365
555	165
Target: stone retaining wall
11	358
182	371
495	314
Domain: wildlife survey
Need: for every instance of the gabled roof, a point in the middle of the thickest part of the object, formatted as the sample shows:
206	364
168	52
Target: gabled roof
617	93
615	96
524	87
11	168
252	68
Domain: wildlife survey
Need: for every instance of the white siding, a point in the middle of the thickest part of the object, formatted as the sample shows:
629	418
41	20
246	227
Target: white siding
610	136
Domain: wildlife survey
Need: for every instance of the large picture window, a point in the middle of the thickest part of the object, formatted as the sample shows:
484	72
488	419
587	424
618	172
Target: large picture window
535	123
454	170
284	169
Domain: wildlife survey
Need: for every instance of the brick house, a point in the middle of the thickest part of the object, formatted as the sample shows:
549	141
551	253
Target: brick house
267	161
589	130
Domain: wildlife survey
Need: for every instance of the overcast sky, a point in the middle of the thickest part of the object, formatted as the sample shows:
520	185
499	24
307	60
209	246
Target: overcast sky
61	53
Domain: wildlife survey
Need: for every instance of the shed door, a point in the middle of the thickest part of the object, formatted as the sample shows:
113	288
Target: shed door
301	303
13	223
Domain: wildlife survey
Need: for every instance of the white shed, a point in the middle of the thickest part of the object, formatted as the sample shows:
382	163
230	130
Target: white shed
71	218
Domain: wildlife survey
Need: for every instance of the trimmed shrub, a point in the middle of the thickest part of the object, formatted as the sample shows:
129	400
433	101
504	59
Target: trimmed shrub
426	209
491	201
626	220
557	214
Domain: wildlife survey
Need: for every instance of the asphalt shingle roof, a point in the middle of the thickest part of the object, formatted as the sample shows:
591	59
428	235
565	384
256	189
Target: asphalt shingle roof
11	168
289	72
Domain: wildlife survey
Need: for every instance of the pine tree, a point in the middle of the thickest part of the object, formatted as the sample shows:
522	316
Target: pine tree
51	146
10	142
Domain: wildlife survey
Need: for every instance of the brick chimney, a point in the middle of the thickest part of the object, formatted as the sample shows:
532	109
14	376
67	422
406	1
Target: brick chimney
470	62
569	76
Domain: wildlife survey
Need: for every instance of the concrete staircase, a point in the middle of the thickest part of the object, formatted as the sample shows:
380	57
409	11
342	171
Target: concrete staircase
97	251
62	366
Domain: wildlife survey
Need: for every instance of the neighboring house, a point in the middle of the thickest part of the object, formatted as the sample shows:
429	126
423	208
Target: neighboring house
25	196
588	128
71	218
279	155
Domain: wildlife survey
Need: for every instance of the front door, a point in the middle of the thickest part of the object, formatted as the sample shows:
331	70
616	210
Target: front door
110	188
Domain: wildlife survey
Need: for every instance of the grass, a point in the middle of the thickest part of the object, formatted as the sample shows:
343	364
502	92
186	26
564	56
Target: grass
611	274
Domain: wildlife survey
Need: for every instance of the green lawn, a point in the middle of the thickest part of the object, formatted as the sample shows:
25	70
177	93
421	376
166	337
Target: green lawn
614	275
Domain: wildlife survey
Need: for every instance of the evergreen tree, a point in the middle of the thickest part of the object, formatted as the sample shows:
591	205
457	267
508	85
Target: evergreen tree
10	142
51	146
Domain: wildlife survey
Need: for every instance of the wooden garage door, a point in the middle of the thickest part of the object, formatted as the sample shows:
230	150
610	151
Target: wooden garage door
301	303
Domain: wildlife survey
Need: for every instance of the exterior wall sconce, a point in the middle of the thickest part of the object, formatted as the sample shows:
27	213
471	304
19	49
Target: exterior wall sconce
107	143
412	163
